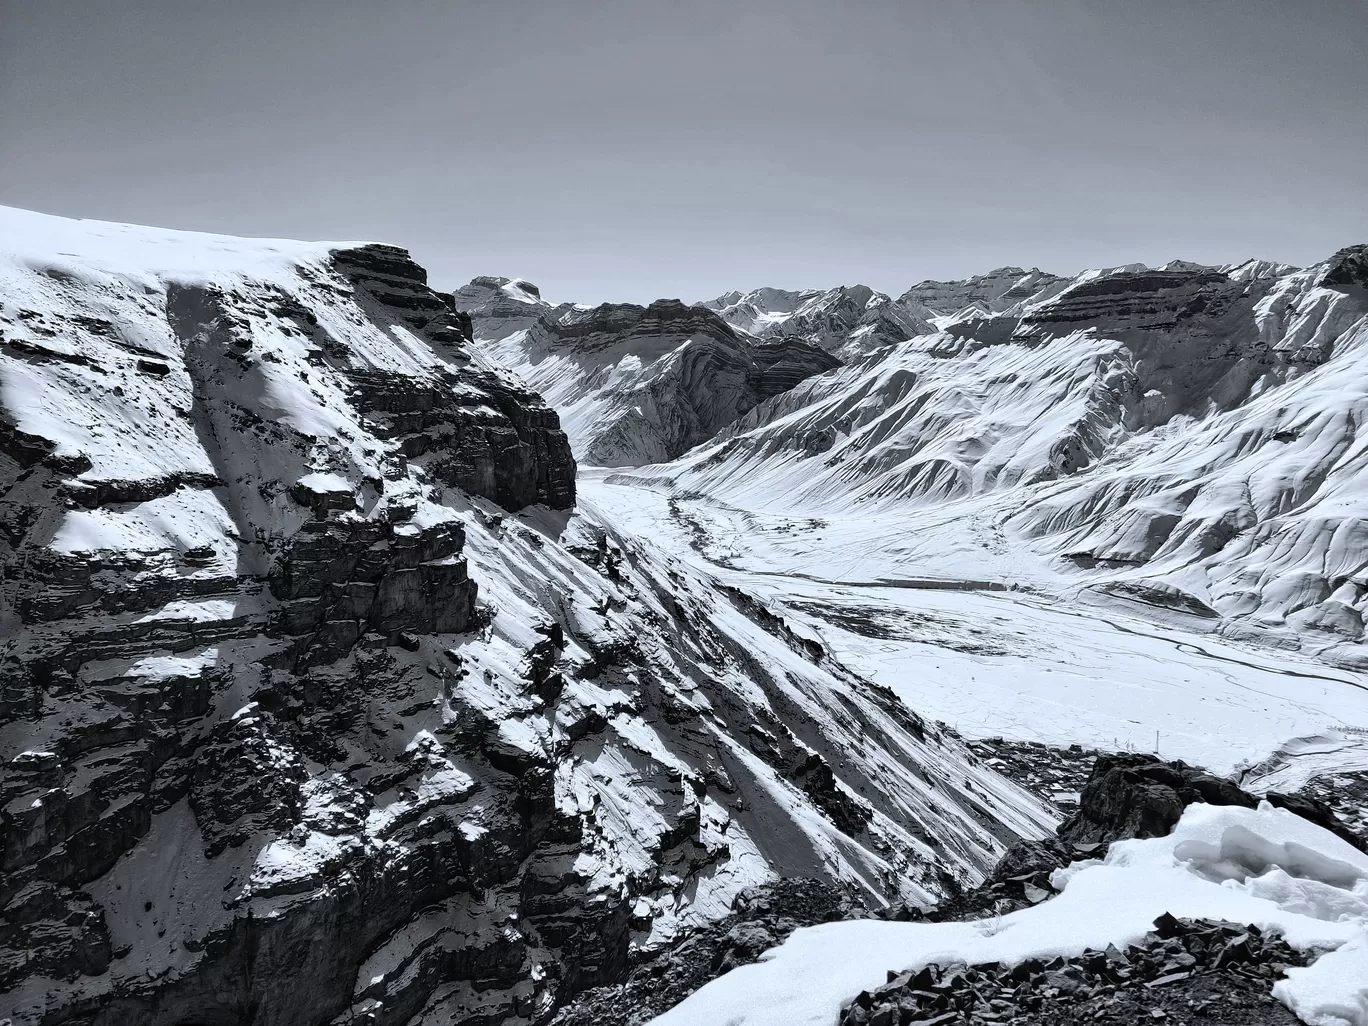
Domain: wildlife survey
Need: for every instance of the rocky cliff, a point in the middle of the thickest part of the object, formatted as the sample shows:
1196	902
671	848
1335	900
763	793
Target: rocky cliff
222	470
635	384
302	721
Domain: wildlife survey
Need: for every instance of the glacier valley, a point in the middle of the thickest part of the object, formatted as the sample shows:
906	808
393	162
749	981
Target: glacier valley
372	653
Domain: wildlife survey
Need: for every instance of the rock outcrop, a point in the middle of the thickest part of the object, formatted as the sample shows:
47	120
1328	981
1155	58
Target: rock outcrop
1140	796
1219	971
1135	795
635	384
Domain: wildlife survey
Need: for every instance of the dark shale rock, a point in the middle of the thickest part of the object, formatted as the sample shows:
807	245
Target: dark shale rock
342	578
1132	795
761	918
289	684
1185	970
480	430
1348	267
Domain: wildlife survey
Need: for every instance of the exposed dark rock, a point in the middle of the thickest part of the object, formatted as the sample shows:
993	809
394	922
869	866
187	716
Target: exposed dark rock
719	375
121	668
1143	299
1193	332
1348	267
341	578
1133	795
1055	775
1019	880
761	918
480	430
1346	796
1141	796
1185	970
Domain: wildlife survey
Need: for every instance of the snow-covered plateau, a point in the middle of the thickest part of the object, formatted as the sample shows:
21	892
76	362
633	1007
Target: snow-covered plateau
333	691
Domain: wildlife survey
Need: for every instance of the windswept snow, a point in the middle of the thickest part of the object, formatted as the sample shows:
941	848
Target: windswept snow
84	251
1266	867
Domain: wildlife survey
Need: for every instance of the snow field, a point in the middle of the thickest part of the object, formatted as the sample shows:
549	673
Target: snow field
1262	866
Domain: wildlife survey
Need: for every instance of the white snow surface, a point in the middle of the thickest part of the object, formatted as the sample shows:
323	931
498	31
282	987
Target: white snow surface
82	249
928	614
1262	866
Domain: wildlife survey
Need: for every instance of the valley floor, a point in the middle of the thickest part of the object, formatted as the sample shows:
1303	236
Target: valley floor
972	629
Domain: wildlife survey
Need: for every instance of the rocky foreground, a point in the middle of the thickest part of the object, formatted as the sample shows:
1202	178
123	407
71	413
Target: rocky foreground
1184	971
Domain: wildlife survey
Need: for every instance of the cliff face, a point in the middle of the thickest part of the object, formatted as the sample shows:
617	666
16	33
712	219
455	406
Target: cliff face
300	723
636	384
223	467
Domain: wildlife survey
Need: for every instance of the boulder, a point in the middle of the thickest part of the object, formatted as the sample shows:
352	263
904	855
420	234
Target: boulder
1132	795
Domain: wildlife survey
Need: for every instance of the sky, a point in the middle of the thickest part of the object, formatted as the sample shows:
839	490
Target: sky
632	149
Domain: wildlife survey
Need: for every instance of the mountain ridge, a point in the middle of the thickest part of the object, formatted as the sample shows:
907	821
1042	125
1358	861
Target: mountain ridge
319	704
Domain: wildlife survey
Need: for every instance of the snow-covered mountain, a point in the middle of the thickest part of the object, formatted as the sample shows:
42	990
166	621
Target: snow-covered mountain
847	320
325	696
333	692
1179	436
634	384
998	291
498	307
856	320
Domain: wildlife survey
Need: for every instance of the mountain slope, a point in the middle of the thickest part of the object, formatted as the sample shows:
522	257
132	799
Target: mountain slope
634	384
997	291
1177	436
320	705
846	320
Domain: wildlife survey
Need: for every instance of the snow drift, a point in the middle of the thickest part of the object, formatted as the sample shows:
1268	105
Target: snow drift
1262	866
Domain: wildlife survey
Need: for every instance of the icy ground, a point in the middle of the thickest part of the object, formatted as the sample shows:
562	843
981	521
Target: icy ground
1035	662
1266	867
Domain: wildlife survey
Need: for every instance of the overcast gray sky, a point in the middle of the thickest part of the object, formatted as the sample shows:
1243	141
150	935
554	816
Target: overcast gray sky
629	149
